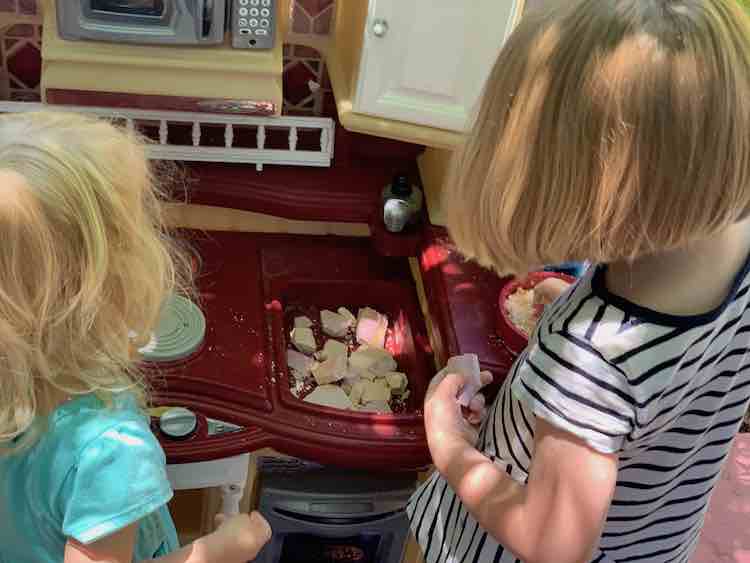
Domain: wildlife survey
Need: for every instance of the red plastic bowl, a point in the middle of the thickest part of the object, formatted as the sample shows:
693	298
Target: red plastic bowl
512	336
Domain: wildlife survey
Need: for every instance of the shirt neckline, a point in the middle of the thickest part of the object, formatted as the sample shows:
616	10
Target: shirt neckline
599	288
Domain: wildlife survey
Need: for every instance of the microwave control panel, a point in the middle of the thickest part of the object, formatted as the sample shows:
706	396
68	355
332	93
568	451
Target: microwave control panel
253	24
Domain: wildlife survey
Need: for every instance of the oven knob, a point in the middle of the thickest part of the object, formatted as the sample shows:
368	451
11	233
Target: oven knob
178	423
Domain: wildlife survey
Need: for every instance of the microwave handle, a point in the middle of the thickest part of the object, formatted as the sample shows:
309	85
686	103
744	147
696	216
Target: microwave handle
207	14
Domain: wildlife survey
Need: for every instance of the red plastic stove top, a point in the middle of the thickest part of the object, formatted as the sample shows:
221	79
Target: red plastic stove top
239	374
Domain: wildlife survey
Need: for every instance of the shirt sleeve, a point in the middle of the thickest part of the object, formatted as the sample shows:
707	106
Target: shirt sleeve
566	381
120	477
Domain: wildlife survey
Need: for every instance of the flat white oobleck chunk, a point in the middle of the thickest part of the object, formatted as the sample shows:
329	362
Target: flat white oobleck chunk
299	365
302	322
331	349
397	381
332	370
376	360
348	315
334	324
330	396
304	340
358	389
377	390
371	327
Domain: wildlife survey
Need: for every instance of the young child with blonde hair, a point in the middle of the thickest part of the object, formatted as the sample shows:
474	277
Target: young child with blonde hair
84	263
615	132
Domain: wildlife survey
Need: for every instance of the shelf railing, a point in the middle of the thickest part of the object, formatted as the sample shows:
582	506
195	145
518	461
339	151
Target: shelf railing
205	137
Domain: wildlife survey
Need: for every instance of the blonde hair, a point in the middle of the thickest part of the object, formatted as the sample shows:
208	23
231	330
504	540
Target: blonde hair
609	129
84	260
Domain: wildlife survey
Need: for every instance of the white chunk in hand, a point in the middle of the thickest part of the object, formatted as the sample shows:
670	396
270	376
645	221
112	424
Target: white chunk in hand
302	322
377	390
334	324
375	360
332	370
299	365
468	366
331	349
371	328
304	340
330	396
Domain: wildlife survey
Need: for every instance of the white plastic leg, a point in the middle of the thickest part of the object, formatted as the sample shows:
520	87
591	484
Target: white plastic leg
230	498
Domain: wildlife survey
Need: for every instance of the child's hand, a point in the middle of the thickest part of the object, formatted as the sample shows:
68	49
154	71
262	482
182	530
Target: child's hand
447	429
243	535
548	290
475	411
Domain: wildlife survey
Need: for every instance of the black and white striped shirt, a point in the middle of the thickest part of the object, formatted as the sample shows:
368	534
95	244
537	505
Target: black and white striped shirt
666	392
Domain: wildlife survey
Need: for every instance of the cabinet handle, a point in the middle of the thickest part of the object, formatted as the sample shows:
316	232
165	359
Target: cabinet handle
379	28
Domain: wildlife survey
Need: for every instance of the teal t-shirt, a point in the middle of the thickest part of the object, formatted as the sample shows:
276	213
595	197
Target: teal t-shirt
94	471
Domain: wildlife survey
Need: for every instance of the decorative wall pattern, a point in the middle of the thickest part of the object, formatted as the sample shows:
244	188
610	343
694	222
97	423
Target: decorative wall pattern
20	50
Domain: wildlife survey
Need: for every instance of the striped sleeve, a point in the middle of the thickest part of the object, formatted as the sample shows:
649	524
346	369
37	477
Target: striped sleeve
567	382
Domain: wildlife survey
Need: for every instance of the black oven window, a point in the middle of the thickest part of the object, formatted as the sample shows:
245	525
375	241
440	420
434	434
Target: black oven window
304	548
153	8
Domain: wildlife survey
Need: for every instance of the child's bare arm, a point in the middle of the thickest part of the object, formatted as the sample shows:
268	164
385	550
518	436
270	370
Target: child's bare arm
558	516
238	539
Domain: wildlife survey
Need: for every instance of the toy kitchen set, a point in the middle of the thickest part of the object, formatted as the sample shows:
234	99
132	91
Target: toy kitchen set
309	132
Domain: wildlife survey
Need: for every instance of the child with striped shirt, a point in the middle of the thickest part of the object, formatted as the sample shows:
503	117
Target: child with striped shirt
615	132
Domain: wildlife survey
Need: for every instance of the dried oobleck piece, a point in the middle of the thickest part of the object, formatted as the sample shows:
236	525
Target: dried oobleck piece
334	324
371	328
376	407
358	389
468	366
304	340
302	322
375	360
330	396
331	349
377	390
299	365
397	381
332	370
348	315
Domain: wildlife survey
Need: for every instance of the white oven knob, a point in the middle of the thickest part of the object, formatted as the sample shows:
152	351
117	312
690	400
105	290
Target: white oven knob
178	423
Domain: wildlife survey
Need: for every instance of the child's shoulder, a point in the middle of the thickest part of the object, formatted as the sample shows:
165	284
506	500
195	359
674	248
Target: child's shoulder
82	421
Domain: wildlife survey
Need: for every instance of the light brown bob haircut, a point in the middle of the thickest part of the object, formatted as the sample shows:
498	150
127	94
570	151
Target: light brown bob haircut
608	130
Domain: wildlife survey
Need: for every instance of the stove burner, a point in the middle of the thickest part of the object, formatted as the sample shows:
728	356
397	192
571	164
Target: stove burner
180	332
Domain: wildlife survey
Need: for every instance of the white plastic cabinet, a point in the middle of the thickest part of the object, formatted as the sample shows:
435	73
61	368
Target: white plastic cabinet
425	61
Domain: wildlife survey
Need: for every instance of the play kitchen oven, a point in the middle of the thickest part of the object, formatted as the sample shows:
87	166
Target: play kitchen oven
251	23
321	515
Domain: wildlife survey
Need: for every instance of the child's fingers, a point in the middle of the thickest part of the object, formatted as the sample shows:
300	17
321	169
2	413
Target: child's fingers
477	403
486	377
476	418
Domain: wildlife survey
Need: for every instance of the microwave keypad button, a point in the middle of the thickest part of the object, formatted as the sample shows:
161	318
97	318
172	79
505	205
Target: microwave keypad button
244	2
254	2
266	2
243	22
265	12
253	23
265	23
261	32
245	31
243	11
254	12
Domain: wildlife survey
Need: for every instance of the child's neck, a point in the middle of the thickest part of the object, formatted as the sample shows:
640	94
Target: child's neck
687	281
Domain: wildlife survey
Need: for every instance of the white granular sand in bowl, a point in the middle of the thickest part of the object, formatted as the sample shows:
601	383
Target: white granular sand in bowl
520	308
